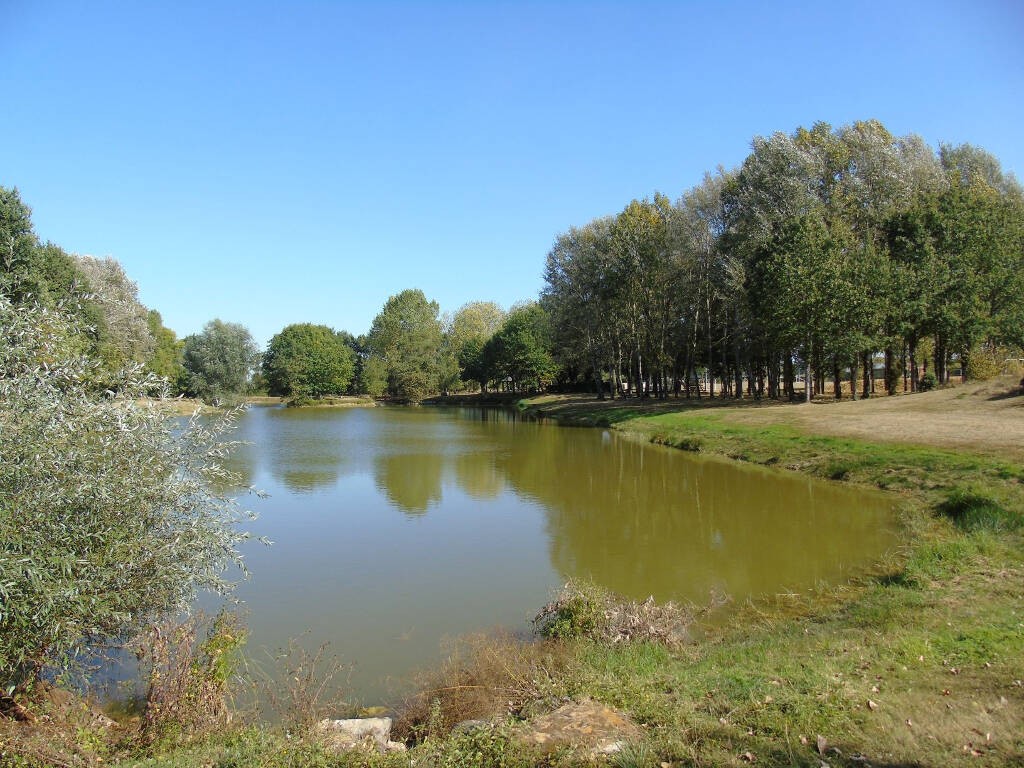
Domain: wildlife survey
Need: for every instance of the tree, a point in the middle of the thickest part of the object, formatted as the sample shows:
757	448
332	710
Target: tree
219	360
469	330
165	359
521	350
307	360
108	520
17	246
578	297
123	334
405	347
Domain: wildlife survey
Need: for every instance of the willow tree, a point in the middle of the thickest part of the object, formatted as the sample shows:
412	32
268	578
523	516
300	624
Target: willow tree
109	517
219	361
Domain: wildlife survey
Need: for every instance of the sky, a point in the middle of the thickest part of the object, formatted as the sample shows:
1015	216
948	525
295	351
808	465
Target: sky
273	163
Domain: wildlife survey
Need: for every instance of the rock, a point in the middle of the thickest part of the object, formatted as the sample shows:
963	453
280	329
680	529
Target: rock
366	732
594	728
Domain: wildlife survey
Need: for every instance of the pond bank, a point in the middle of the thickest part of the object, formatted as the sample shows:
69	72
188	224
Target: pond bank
919	663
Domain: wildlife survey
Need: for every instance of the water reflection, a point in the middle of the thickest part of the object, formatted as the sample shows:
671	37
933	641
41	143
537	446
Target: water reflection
418	523
410	481
309	457
478	474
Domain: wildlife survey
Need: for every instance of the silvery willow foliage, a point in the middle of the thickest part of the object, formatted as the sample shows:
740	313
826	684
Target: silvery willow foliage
108	514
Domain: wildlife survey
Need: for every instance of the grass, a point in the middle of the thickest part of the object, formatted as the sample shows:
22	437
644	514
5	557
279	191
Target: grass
920	663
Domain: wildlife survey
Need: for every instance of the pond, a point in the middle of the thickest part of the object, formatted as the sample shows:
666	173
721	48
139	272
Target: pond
395	528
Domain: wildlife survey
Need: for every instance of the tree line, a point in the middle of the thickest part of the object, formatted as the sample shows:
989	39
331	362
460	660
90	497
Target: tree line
411	351
825	248
844	258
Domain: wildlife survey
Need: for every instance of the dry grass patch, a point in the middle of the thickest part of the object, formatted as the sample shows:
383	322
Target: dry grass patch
986	417
486	677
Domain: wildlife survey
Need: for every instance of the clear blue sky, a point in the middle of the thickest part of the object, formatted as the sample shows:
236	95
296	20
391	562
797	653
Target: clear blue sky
270	163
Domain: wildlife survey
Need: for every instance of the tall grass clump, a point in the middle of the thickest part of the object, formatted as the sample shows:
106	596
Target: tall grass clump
972	509
486	677
189	666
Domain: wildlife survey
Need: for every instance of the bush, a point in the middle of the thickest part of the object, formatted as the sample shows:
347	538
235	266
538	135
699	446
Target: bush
108	520
985	364
188	678
585	610
927	383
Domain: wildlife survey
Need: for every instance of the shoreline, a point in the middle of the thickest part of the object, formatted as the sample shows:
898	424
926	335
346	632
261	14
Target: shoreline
905	664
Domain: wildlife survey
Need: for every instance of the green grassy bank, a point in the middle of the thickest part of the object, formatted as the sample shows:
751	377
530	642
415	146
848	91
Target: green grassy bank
919	663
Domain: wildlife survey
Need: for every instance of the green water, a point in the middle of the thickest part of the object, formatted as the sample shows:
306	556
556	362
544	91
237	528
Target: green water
396	528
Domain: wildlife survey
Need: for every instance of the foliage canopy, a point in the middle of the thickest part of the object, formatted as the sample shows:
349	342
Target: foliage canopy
220	360
308	360
108	517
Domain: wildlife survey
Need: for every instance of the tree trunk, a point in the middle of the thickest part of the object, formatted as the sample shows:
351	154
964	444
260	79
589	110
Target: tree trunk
738	373
788	376
853	379
940	360
915	381
639	373
891	374
595	368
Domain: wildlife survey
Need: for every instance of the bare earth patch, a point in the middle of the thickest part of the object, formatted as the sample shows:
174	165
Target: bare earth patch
984	417
980	417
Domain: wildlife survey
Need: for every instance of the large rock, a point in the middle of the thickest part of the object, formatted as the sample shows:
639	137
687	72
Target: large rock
587	726
372	733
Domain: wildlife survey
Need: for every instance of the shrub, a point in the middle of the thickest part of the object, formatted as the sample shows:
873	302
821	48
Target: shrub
984	364
838	469
585	610
301	687
927	383
577	612
188	679
108	515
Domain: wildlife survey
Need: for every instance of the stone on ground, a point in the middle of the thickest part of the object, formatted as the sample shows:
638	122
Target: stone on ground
587	726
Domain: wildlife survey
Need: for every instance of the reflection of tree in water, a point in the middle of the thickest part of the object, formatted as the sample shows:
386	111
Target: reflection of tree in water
478	475
411	481
646	521
241	464
306	456
306	480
